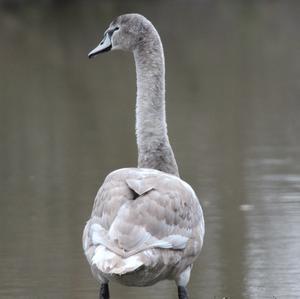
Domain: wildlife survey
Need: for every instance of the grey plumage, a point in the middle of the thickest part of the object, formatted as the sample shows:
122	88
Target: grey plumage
146	224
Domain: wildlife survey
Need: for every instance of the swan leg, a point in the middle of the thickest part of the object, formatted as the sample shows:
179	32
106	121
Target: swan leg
104	291
182	293
182	280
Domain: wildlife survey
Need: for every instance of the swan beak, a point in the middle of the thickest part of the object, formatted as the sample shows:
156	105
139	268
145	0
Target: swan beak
104	46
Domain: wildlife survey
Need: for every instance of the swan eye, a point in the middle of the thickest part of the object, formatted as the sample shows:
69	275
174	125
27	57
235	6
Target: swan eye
112	31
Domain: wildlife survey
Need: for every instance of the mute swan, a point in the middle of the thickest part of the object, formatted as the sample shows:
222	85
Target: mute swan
146	224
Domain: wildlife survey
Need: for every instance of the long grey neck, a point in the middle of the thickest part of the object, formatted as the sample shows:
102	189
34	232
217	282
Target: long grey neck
154	149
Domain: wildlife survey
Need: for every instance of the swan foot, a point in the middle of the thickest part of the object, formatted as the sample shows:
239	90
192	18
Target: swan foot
182	293
104	291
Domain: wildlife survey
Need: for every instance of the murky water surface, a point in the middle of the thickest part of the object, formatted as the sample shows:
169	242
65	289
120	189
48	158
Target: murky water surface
233	114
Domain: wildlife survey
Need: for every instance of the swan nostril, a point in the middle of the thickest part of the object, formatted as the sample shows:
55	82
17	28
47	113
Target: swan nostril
102	43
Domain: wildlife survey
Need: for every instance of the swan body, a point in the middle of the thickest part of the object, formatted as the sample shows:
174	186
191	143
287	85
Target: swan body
146	224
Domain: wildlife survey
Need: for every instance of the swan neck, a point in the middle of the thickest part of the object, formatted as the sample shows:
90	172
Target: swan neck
154	149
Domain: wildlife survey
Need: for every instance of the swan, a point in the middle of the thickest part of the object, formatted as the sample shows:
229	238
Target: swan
146	224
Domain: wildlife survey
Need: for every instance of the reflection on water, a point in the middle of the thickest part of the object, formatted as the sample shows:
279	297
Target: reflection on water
273	236
233	105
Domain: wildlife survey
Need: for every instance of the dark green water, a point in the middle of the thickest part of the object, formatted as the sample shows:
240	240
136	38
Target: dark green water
233	104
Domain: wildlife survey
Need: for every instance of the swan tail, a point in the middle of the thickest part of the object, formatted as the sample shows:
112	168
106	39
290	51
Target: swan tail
110	258
107	257
111	263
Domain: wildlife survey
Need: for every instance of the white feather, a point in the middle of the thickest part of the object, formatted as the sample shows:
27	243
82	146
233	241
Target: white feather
109	262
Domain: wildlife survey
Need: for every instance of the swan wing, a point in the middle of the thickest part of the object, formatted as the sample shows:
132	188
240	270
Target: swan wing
137	209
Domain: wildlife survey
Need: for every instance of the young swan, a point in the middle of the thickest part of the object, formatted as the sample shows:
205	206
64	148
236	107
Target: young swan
146	224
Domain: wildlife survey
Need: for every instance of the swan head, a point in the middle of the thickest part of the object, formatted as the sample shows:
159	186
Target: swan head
126	32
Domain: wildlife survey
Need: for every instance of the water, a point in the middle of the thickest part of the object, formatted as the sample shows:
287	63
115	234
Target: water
233	118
